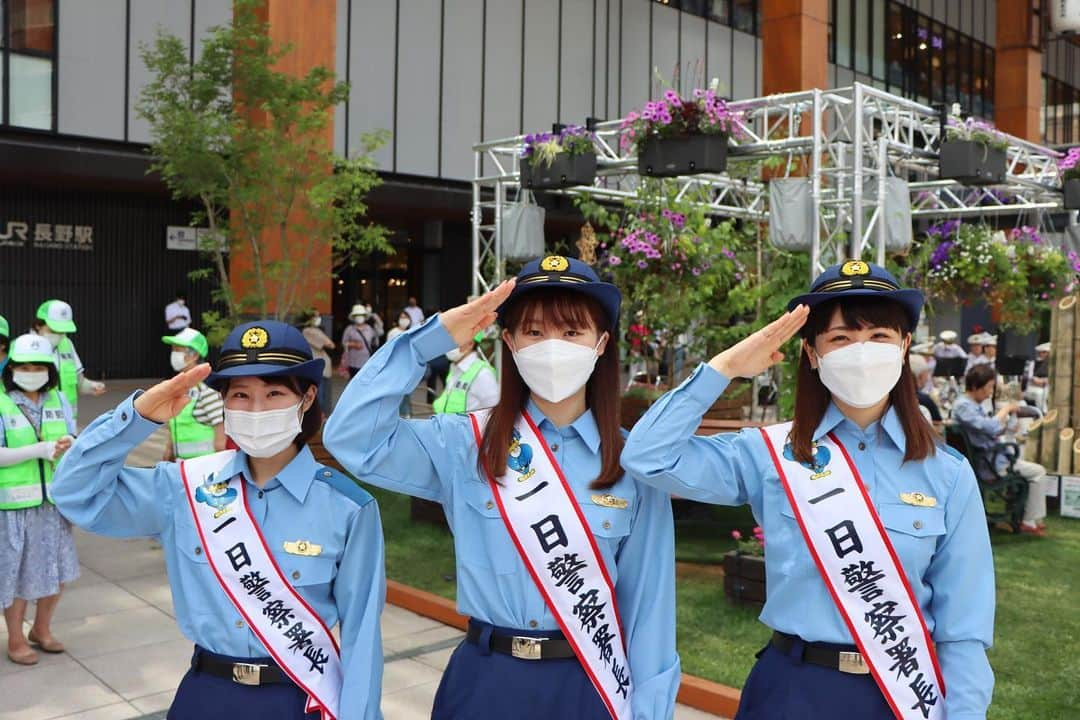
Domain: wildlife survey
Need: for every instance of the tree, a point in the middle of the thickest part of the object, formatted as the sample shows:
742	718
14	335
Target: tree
247	142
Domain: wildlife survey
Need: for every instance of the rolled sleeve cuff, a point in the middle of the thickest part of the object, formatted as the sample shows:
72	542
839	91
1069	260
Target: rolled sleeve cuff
431	339
705	385
655	698
128	425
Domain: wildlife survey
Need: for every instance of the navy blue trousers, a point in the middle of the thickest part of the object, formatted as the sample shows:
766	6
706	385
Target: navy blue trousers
208	697
479	684
783	687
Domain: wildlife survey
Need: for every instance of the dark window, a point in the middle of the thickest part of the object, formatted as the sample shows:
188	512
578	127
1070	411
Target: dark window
739	14
28	63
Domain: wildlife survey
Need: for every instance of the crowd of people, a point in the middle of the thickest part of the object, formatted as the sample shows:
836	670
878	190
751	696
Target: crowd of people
562	523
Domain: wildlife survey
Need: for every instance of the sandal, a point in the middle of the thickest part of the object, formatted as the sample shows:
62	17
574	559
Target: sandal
52	645
26	656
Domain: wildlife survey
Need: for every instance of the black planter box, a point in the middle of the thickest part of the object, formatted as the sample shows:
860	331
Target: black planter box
1072	194
566	170
690	155
744	579
971	163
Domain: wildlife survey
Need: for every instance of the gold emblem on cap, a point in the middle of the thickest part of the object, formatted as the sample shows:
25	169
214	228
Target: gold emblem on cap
854	267
610	501
303	547
918	499
254	338
554	263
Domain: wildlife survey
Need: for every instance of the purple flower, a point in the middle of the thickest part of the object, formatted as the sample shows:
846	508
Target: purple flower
941	254
642	264
614	260
673	97
696	271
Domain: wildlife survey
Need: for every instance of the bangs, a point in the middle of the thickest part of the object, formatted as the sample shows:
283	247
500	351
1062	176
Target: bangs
554	307
858	312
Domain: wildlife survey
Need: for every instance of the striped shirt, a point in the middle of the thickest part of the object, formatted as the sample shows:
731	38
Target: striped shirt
209	407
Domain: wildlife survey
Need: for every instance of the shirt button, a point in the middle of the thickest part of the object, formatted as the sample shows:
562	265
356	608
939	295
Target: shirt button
862	446
917	524
240	624
533	623
123	416
327	473
489	504
296	575
607	525
260	494
198	551
555	447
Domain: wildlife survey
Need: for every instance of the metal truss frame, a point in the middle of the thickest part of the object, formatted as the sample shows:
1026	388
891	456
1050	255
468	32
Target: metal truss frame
846	141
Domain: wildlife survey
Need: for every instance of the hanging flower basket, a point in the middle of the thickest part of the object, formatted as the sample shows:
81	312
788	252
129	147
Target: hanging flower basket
973	153
688	155
1069	167
1072	194
565	170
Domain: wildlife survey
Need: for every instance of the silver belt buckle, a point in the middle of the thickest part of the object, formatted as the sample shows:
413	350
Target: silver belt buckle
246	673
852	663
526	648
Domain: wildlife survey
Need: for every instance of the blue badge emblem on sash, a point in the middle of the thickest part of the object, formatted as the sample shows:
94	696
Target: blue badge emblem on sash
520	457
216	494
822	458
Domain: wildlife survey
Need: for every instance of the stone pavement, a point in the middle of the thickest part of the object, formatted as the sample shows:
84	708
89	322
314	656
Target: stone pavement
126	656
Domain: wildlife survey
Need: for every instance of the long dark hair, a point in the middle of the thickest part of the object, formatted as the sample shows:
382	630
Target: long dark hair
812	397
564	308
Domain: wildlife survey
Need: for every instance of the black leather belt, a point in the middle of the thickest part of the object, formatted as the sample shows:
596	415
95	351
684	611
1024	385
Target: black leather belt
523	647
239	672
850	662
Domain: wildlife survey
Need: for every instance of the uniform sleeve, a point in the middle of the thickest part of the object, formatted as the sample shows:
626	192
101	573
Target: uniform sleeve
360	591
94	490
646	595
962	576
368	437
484	392
971	415
663	452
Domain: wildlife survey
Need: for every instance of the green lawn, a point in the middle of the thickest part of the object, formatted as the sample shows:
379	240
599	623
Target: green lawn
1036	657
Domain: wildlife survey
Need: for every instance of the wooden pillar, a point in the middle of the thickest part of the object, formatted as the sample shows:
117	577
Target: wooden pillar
310	27
794	45
1018	89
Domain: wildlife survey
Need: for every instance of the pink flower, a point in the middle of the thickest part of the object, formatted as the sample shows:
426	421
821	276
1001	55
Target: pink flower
759	532
736	534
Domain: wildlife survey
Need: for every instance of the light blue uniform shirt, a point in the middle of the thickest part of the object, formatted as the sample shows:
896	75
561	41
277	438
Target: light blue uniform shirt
345	583
945	550
436	459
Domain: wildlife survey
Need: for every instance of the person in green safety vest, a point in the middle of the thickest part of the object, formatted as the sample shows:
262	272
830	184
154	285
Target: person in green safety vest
199	429
54	321
471	383
37	555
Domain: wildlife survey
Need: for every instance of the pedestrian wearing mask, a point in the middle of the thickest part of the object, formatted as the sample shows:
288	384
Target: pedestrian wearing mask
37	550
54	321
199	429
881	582
471	384
266	549
404	322
321	345
564	564
358	339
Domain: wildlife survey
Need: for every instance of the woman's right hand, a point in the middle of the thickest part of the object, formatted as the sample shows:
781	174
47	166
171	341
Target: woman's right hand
464	321
760	351
165	400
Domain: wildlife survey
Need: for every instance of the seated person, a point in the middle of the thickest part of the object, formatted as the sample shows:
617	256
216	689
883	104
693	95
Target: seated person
985	431
1038	377
920	368
975	350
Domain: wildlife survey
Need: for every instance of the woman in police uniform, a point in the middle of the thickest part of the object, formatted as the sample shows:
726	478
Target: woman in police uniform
319	529
855	398
557	321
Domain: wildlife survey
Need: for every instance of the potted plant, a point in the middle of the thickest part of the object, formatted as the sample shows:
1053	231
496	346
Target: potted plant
744	569
676	136
1070	178
973	153
561	159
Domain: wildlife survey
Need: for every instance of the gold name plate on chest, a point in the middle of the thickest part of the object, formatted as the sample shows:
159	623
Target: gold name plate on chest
302	547
610	501
918	499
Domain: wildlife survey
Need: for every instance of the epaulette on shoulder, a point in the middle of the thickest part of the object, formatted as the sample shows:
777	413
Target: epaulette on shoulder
343	484
952	451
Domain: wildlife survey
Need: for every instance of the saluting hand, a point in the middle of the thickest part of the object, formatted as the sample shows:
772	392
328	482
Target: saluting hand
165	400
464	321
761	350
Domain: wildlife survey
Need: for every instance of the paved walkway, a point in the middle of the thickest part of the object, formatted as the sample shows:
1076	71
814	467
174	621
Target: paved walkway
125	655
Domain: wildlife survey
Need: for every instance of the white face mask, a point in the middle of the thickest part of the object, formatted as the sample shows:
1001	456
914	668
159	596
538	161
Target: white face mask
30	380
455	355
404	323
266	433
178	360
53	338
316	321
556	369
862	374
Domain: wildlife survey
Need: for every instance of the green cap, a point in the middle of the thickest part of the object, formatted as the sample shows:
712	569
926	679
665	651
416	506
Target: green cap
57	315
189	338
5	329
32	348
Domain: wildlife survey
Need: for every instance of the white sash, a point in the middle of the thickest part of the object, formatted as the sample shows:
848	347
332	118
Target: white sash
293	633
553	539
862	572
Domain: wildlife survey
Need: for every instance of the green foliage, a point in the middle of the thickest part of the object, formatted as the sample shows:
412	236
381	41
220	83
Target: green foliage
248	142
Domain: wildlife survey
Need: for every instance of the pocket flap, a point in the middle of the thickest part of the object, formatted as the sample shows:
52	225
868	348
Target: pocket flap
913	520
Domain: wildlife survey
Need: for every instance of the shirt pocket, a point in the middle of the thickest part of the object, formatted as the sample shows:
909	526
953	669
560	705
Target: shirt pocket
480	536
787	540
914	532
307	572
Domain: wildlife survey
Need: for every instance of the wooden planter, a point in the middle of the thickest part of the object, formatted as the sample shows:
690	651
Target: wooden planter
566	170
728	407
690	155
971	163
744	578
1072	194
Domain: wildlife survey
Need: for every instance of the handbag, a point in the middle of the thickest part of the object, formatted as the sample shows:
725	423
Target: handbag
522	232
